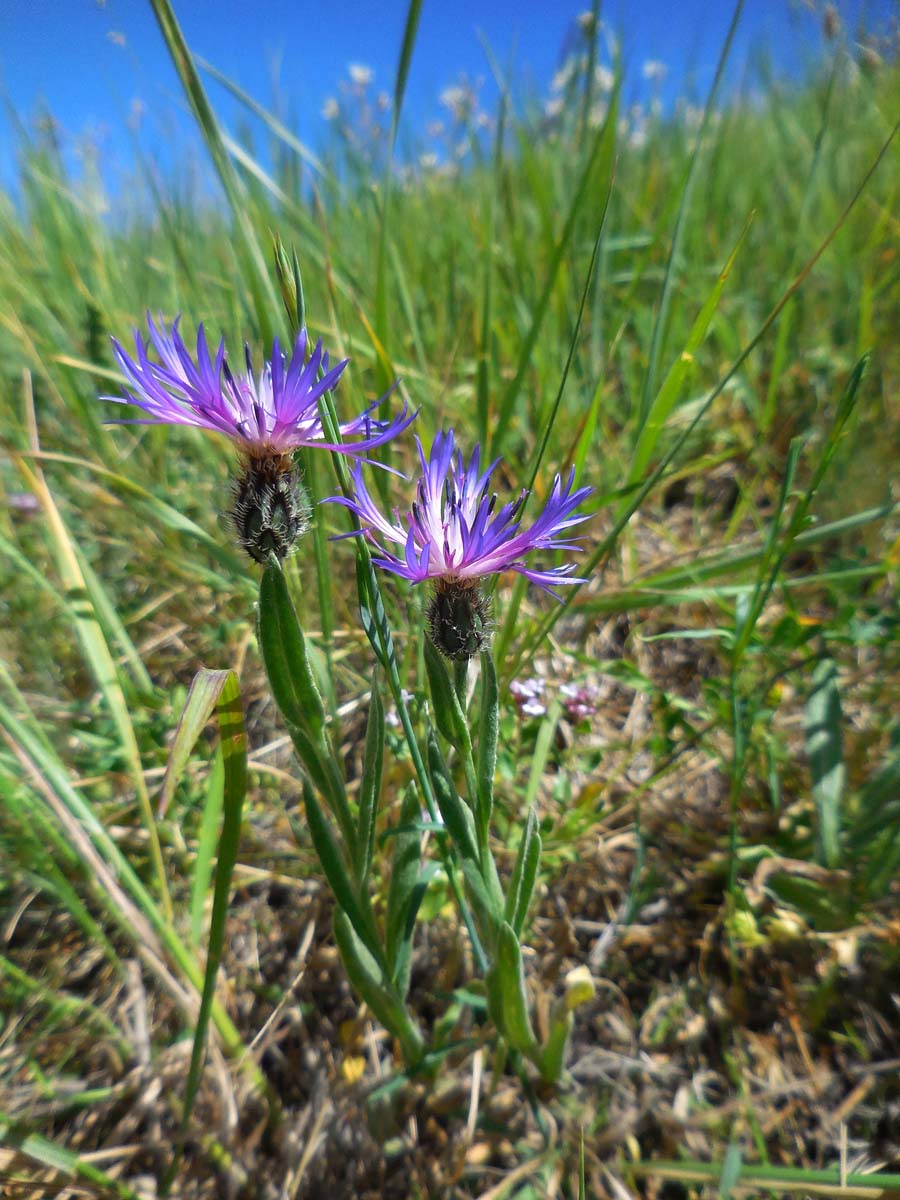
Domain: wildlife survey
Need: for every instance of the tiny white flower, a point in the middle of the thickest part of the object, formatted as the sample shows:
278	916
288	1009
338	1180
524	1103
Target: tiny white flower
360	74
604	78
460	99
597	115
553	108
564	75
654	70
330	109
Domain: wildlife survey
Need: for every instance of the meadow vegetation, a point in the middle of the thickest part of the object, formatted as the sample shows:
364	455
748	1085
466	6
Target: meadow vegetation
697	310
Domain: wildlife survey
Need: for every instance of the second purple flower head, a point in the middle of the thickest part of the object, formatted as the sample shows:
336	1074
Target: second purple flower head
455	535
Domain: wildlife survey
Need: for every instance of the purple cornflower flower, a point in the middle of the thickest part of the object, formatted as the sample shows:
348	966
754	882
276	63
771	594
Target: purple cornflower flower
455	535
275	411
267	416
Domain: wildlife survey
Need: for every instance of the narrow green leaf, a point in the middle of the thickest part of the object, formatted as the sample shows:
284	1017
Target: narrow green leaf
206	844
325	774
488	914
284	653
255	272
410	29
876	1185
95	647
488	729
448	713
203	697
456	814
543	742
662	406
660	325
372	615
371	985
219	690
604	142
278	128
521	884
823	719
370	784
731	1170
382	322
506	990
50	1155
482	401
335	868
405	891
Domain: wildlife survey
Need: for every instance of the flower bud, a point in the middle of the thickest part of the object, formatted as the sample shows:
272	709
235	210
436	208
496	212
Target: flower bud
271	509
459	618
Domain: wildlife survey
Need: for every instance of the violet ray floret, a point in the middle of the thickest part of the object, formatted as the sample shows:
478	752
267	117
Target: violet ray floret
454	530
275	410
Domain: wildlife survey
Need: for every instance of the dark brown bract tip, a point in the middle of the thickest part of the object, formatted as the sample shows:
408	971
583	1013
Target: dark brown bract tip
271	508
459	618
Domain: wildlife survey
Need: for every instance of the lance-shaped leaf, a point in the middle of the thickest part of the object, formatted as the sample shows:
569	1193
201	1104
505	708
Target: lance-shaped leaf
521	884
488	725
370	784
371	985
506	991
456	814
406	890
284	654
487	911
553	1053
326	775
448	714
335	868
372	615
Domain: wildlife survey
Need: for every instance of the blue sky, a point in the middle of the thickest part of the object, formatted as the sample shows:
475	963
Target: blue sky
92	61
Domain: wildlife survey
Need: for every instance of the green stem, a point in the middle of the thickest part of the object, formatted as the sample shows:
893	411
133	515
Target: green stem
330	422
460	676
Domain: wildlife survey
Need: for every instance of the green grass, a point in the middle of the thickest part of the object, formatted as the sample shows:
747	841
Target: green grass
705	326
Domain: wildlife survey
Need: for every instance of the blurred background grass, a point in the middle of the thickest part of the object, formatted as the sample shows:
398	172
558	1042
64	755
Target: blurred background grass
462	274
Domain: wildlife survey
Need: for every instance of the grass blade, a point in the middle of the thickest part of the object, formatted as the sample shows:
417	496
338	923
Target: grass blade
251	254
51	1156
599	159
93	642
662	315
824	746
217	691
